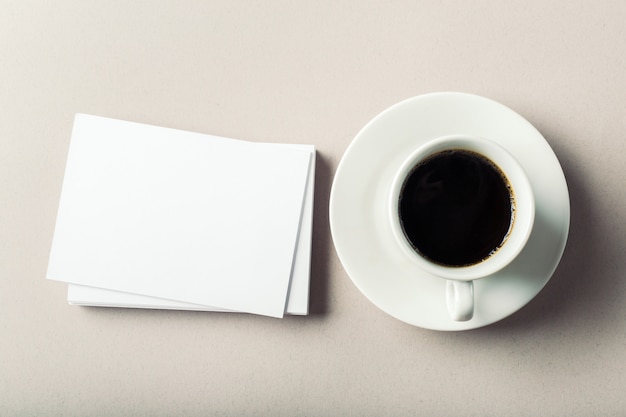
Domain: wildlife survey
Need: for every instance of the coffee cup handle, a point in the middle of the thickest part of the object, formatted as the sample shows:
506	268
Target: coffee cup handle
460	299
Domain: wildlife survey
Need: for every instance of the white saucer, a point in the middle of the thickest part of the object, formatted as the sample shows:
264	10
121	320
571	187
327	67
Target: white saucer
363	237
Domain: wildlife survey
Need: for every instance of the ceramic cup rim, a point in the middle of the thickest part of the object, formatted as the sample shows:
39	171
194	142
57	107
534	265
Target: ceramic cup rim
524	206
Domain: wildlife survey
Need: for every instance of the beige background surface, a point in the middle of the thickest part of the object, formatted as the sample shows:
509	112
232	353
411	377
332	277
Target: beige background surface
310	72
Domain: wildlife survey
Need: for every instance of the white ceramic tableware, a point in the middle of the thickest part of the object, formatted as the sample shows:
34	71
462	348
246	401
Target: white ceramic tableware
359	210
459	285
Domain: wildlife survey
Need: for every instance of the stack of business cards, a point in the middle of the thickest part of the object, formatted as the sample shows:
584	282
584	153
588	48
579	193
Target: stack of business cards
151	217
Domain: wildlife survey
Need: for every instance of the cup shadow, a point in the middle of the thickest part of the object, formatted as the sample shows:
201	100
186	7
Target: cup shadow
575	285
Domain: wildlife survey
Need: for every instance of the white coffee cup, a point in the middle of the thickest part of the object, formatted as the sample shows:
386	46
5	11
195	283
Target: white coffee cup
459	292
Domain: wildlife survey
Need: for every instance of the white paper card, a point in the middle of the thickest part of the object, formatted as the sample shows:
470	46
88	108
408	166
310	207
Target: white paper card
298	296
175	215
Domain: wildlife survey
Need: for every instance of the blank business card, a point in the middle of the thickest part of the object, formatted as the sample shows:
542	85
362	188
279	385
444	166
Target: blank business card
179	216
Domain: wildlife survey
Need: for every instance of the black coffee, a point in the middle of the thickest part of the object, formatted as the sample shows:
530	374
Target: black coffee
456	208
